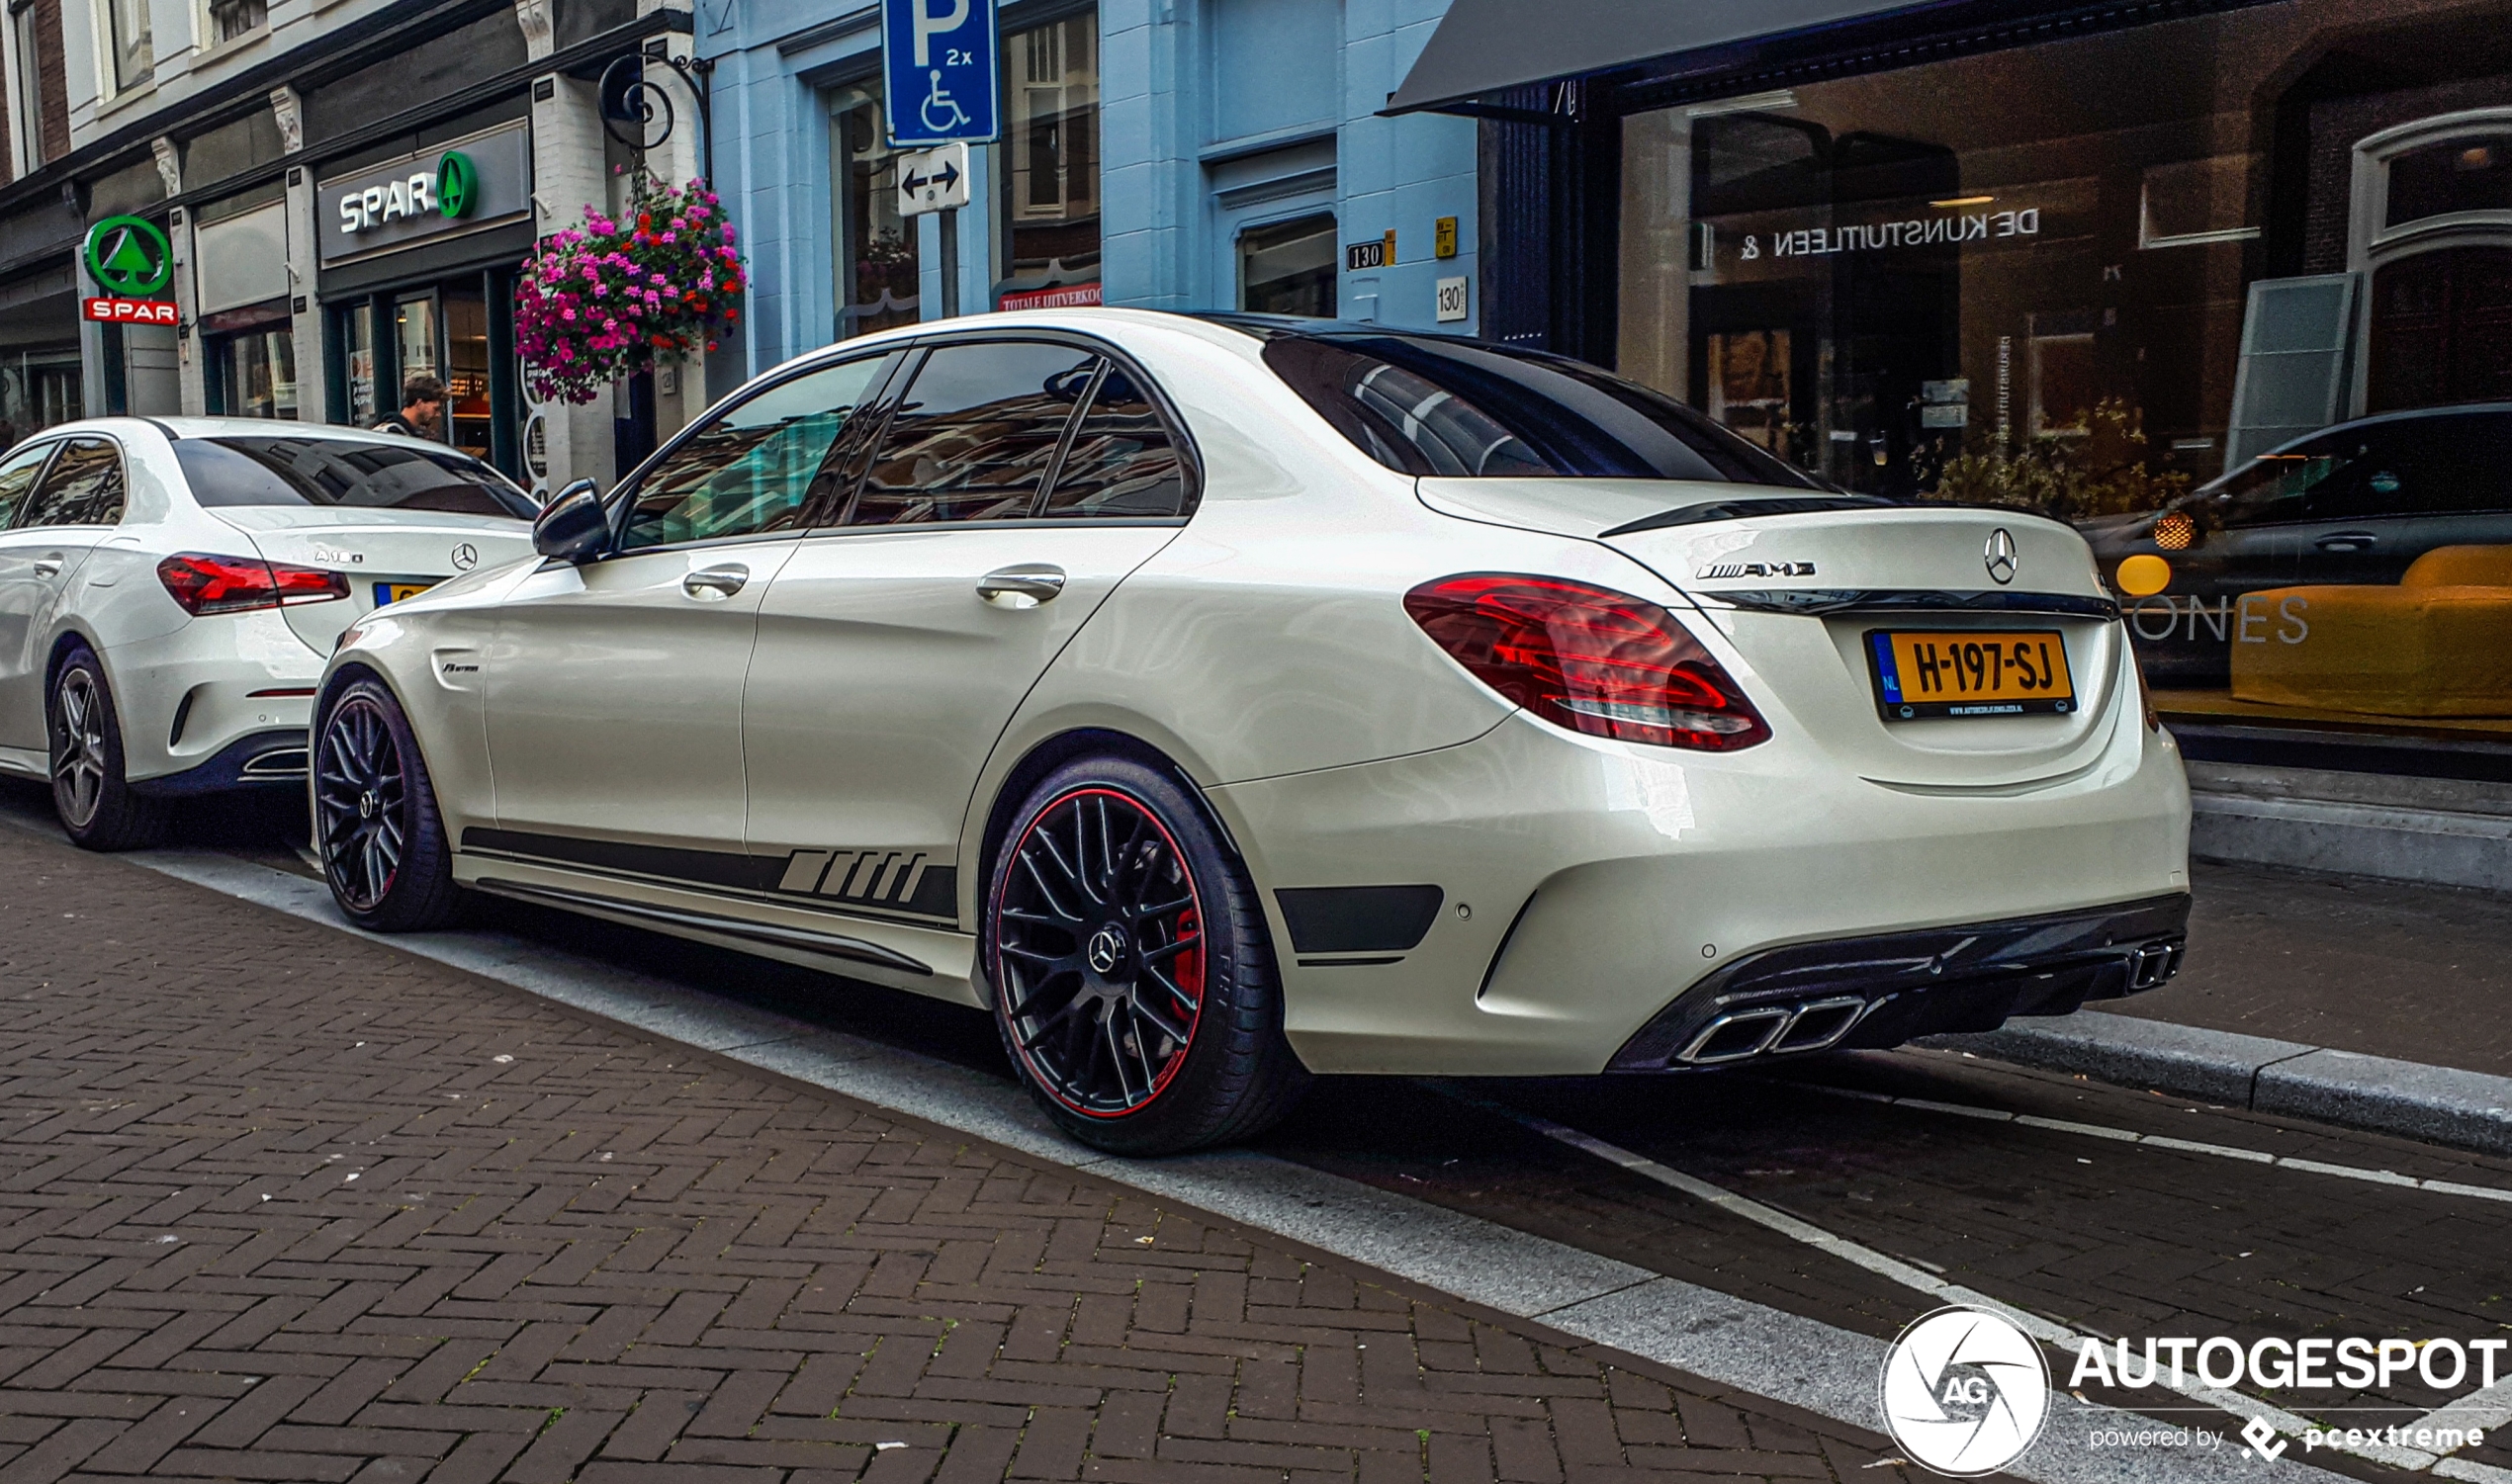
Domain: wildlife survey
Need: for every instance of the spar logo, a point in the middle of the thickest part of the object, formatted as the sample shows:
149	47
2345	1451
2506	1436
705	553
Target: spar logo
1964	1391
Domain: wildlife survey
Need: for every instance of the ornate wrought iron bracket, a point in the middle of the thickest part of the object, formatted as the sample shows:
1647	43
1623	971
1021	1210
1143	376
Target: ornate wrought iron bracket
637	111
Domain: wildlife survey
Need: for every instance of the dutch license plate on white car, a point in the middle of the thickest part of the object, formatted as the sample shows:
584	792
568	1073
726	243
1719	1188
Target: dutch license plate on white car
1969	672
393	592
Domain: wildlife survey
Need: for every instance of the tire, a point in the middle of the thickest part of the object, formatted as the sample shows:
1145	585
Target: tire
1131	973
376	824
97	807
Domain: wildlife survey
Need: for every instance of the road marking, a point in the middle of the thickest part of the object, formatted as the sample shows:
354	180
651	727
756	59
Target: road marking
1728	1341
2047	1331
2160	1141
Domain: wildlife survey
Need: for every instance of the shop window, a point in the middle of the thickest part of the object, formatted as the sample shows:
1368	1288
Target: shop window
130	48
467	413
2195	203
1289	268
1050	177
38	388
2467	173
877	267
1749	385
232	19
414	338
357	342
2064	384
256	372
2442	330
25	121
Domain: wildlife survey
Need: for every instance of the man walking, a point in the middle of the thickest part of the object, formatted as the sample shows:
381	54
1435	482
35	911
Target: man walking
422	408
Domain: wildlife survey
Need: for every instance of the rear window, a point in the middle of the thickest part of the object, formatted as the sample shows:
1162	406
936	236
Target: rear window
1425	406
286	470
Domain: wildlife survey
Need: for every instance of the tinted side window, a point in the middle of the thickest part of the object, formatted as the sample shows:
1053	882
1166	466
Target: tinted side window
973	436
84	486
753	469
2436	466
1122	462
16	476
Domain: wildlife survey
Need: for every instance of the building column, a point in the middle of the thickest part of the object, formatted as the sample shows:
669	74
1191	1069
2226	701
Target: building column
569	174
191	354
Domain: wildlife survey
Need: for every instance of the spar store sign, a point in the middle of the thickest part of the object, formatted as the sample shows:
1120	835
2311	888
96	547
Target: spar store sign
130	259
469	183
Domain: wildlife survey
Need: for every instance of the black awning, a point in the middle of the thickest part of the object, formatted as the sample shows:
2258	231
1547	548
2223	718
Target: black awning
1482	46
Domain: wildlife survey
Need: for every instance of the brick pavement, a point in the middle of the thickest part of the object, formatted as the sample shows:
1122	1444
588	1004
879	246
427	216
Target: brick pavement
279	1203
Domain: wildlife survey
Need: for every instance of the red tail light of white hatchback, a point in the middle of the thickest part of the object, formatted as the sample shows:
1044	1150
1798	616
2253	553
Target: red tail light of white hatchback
205	584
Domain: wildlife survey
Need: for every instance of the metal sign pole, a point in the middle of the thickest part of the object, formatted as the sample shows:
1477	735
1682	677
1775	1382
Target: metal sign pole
941	78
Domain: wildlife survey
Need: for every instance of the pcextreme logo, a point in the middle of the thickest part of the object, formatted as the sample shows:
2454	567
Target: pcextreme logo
1964	1391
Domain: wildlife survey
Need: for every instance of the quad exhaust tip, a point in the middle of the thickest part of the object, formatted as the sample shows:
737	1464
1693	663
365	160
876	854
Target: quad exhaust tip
1741	1035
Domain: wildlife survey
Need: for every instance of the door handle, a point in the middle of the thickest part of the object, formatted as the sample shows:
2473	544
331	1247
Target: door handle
713	584
2347	540
46	567
1024	586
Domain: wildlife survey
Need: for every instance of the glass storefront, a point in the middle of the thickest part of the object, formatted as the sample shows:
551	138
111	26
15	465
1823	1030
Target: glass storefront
2151	282
456	329
1288	268
1050	165
251	371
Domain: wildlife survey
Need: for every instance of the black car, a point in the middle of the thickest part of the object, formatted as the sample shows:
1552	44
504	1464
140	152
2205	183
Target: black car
2355	503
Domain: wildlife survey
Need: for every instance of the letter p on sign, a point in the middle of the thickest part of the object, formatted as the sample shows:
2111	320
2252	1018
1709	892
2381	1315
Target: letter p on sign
928	26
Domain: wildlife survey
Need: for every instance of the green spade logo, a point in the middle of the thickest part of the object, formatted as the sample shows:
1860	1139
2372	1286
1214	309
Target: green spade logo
128	256
457	185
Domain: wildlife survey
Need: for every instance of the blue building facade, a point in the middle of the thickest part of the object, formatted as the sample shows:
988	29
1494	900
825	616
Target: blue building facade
1184	155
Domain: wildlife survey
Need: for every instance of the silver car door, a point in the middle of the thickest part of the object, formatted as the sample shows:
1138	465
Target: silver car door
894	649
614	689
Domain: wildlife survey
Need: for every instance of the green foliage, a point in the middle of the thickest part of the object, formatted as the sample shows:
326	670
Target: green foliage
2101	472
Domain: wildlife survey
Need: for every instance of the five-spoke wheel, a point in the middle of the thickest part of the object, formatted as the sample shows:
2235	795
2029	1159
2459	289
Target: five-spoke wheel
1132	978
376	824
97	806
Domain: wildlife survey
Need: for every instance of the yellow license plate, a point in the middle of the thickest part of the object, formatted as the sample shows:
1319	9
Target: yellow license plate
1969	672
393	592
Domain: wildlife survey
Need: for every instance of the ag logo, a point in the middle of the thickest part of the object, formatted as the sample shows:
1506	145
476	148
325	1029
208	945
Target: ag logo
465	557
1965	1392
2000	558
128	256
457	185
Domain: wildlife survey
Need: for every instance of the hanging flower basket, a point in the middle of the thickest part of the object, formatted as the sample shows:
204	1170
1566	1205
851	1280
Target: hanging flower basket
605	300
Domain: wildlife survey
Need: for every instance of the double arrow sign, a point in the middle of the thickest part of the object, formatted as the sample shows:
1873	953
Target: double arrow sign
933	180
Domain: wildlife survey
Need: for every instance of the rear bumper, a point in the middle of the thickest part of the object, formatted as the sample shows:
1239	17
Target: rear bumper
1883	990
261	760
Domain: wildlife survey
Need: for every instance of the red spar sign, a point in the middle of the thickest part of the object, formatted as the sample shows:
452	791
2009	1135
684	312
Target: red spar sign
131	310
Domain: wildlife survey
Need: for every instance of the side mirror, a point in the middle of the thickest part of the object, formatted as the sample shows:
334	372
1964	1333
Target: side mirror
573	526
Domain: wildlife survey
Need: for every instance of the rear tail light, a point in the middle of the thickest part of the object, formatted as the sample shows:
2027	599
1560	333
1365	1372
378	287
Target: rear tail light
205	585
1590	659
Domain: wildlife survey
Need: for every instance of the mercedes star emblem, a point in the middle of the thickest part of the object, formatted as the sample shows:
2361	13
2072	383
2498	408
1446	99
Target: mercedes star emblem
1107	948
467	557
2000	557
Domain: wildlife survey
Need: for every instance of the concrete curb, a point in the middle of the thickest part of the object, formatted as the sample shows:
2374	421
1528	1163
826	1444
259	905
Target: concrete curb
2374	1093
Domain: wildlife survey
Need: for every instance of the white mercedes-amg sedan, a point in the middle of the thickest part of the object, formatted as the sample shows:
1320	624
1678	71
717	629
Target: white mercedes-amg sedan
169	589
1222	701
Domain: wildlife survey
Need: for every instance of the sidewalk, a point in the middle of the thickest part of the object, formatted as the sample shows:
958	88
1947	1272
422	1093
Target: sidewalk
277	1203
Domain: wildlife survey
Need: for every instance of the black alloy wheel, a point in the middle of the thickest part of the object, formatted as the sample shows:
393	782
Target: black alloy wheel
376	824
1133	981
98	807
1100	946
361	794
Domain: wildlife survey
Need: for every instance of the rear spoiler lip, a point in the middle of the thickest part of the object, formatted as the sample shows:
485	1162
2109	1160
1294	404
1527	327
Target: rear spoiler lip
1823	602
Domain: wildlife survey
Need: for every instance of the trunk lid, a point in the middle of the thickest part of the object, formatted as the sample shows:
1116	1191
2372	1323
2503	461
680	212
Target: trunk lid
1797	582
375	548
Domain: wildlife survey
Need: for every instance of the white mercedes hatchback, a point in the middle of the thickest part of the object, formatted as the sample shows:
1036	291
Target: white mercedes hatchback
1222	701
169	589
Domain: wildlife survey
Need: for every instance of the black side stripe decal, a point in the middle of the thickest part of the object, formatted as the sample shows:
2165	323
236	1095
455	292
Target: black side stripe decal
906	881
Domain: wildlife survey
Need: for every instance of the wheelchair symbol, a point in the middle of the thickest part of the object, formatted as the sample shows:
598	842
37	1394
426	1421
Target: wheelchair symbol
941	111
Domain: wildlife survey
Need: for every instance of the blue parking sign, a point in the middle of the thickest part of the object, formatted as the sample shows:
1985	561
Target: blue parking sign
941	64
